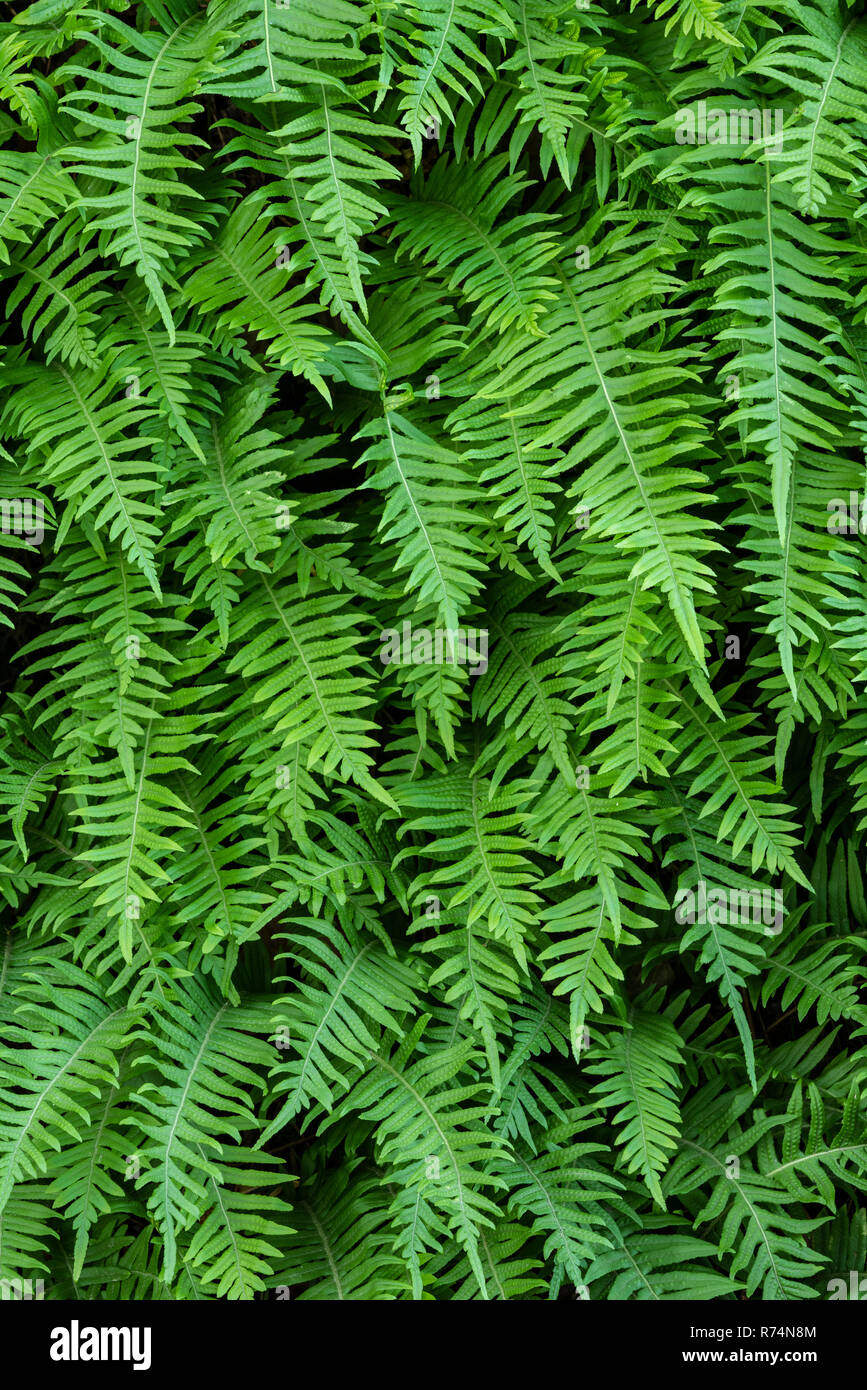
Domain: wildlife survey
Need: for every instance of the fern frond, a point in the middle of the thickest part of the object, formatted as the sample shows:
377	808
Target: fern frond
137	100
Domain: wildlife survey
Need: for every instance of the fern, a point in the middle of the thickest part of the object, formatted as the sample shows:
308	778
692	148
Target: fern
432	605
146	97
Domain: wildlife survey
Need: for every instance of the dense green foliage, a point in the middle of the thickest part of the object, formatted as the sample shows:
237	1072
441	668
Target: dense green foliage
335	326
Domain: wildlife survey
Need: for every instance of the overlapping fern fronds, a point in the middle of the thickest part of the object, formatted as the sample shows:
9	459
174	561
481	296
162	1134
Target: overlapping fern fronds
432	587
